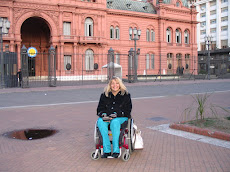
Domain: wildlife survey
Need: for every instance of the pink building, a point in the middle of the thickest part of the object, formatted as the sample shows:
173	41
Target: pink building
82	32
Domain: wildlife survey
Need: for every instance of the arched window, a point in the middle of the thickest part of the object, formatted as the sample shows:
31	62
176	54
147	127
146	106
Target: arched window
178	36
89	59
179	63
88	27
177	3
152	61
178	56
170	61
152	35
117	33
168	35
147	61
111	32
187	57
186	37
66	28
67	61
131	61
147	35
117	57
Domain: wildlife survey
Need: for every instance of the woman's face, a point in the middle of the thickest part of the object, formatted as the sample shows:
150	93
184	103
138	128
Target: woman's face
115	86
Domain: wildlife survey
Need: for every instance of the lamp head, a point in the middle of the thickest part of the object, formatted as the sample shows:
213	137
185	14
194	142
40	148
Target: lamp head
208	38
139	32
135	31
130	31
8	24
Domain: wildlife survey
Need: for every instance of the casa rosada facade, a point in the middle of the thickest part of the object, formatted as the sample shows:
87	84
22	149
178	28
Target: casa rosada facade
91	27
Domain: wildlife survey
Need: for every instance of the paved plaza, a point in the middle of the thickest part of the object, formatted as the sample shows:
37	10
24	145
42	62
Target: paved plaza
69	149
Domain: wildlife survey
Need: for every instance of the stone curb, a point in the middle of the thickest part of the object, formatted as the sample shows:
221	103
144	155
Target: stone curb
205	132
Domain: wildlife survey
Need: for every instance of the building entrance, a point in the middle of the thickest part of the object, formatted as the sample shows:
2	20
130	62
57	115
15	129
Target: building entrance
35	33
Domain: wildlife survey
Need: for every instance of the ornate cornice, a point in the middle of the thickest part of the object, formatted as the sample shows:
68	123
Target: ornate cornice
67	9
37	10
178	11
133	14
36	6
177	20
18	12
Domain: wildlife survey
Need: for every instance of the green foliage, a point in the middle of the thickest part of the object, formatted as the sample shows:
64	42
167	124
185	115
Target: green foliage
201	101
201	108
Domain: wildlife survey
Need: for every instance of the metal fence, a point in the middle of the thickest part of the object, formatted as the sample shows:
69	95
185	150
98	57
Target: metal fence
8	70
54	69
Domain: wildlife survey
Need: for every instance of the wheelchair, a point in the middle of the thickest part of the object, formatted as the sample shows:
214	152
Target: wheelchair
126	141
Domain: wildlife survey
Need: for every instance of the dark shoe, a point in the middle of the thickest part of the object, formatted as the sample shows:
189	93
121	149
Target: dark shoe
105	155
115	155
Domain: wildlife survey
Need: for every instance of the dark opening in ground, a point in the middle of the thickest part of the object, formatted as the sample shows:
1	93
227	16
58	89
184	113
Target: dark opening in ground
31	134
158	119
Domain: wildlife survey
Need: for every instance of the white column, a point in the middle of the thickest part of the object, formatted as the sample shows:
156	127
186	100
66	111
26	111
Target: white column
218	23
207	18
229	23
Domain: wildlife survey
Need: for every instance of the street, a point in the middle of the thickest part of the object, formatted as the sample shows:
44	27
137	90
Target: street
72	111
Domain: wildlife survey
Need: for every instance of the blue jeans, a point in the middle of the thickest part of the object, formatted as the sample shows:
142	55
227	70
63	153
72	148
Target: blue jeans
115	125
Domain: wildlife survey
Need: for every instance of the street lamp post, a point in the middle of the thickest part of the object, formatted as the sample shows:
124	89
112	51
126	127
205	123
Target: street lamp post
208	40
135	35
4	26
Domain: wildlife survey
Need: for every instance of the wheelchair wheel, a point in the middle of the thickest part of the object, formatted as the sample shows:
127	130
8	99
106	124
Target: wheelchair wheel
95	156
96	135
131	136
125	156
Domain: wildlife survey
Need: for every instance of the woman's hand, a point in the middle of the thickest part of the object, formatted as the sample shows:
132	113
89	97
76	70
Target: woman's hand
114	115
106	119
103	115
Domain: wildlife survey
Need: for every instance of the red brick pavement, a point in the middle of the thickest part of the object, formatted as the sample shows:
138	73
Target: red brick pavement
69	149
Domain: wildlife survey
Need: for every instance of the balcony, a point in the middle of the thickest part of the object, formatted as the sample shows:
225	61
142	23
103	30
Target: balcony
91	40
213	16
7	37
224	33
203	19
68	38
224	14
213	25
213	7
225	4
224	23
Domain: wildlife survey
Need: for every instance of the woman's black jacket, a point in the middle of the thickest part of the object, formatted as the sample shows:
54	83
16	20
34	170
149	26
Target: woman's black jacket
119	104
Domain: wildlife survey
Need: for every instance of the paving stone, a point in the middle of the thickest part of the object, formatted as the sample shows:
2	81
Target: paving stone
69	149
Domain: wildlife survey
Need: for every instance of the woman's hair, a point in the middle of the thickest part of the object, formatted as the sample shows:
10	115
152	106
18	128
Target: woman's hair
123	88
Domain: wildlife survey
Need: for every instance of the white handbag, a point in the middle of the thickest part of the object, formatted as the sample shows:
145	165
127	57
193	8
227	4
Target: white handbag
138	141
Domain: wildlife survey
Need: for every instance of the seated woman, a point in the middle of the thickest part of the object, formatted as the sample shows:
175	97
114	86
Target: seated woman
115	104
